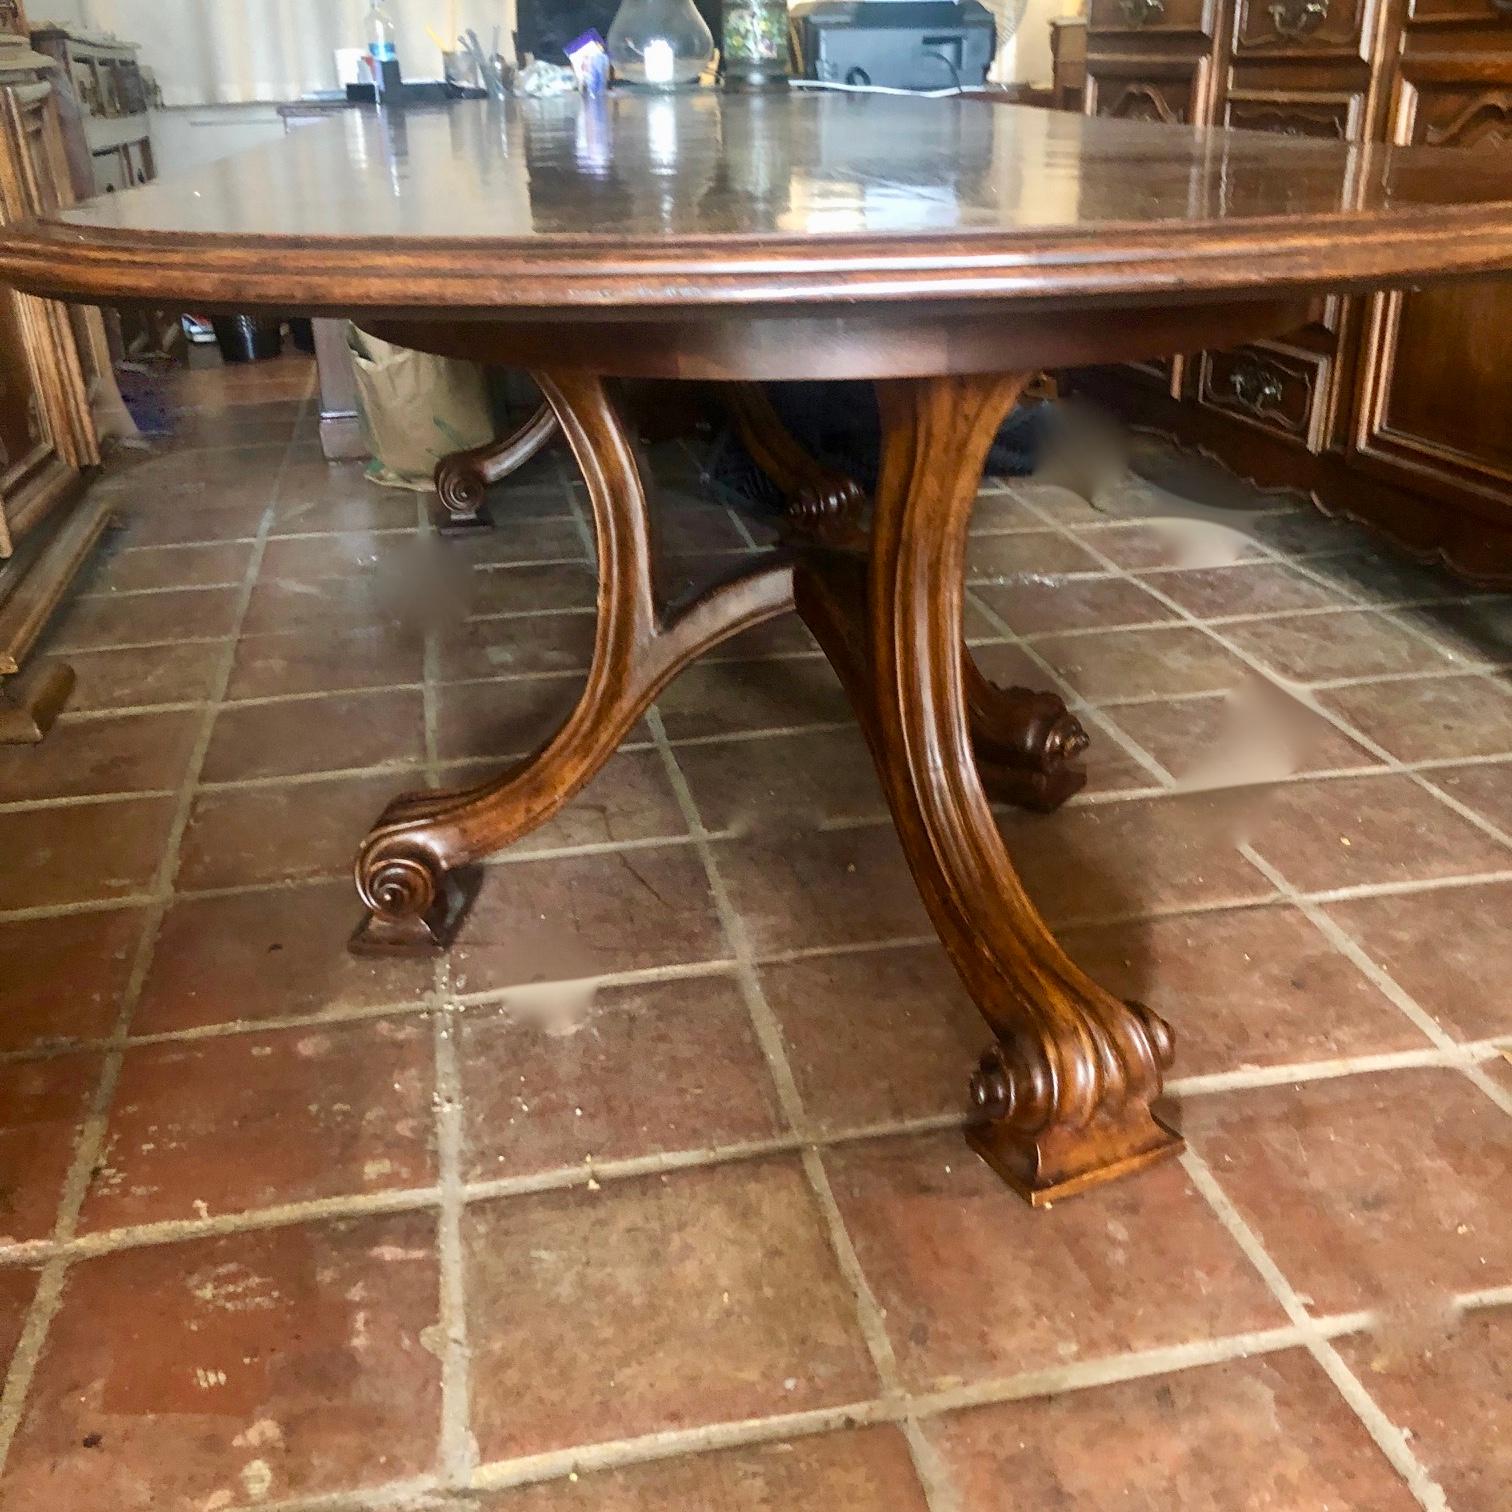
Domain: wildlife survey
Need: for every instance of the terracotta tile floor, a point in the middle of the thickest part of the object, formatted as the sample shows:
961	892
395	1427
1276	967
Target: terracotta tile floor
651	1196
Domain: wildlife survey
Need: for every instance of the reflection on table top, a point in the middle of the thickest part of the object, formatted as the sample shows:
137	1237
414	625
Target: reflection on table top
816	177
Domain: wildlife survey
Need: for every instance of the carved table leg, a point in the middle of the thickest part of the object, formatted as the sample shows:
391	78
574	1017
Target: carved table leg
407	870
463	479
1026	742
1065	1088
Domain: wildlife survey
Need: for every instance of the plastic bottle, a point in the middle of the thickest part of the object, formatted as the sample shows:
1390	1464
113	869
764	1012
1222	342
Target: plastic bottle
382	50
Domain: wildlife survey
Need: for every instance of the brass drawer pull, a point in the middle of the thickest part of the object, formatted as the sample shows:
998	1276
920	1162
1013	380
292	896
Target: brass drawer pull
1254	387
1296	18
1142	12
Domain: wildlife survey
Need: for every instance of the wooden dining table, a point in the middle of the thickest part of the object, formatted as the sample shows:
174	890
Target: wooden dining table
946	249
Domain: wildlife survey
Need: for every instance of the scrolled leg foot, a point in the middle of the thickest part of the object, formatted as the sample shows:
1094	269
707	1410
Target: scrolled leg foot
464	478
415	905
1016	1131
462	491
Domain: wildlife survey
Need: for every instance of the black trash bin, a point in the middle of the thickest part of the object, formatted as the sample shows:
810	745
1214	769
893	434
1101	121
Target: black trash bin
247	338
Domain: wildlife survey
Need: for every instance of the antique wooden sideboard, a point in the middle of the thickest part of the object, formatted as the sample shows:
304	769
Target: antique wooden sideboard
50	358
1392	409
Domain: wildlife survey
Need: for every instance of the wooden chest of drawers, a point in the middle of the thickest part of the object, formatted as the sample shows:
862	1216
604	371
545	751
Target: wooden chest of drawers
1393	409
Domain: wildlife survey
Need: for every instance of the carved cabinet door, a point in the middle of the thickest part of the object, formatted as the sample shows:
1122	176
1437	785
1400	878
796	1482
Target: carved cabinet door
1437	386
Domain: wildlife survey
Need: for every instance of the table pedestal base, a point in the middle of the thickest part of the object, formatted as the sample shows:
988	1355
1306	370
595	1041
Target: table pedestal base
1063	1093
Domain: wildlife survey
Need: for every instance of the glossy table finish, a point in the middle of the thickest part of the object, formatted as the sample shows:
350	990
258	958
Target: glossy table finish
946	249
705	200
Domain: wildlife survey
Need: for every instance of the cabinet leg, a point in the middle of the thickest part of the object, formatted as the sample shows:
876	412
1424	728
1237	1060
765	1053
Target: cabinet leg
1064	1092
30	703
463	479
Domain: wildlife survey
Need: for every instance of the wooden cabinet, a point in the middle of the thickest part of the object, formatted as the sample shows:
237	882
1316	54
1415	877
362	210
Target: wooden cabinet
1392	409
47	436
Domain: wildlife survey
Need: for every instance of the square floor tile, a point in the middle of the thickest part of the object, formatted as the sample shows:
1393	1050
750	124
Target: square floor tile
1454	1397
209	565
505	718
974	1283
532	588
1487	789
658	1303
785	782
1147	663
1246	588
1475	633
269	954
864	1470
288	832
291	1362
554	1079
84	852
1245	987
568	917
1216	739
1450	948
42	1109
1262	1435
832	887
1312	648
206	1127
326	658
1371	1189
1146	855
62	978
233	519
188	672
1429	718
1349	831
126	753
1036	607
1030	553
106	620
730	697
876	1036
17	1288
519	646
1171	542
333	732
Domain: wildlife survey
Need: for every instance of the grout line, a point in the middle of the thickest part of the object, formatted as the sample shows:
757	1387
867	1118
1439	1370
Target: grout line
457	1447
1389	1439
933	1477
93	1129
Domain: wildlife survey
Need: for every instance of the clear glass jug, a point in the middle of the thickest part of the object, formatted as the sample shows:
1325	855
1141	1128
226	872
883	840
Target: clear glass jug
660	43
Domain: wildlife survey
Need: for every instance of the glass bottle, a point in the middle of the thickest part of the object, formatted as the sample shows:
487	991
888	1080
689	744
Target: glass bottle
660	43
383	53
755	44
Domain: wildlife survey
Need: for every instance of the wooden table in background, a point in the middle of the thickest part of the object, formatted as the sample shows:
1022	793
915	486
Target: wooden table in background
946	249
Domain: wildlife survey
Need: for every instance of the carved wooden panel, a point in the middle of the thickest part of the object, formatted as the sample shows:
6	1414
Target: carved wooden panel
1332	118
1174	98
1285	393
1440	390
1302	28
1161	17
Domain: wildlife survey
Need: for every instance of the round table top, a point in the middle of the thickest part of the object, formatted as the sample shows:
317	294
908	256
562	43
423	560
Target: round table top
639	203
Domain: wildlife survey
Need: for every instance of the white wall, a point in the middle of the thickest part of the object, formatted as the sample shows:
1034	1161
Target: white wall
229	51
234	51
